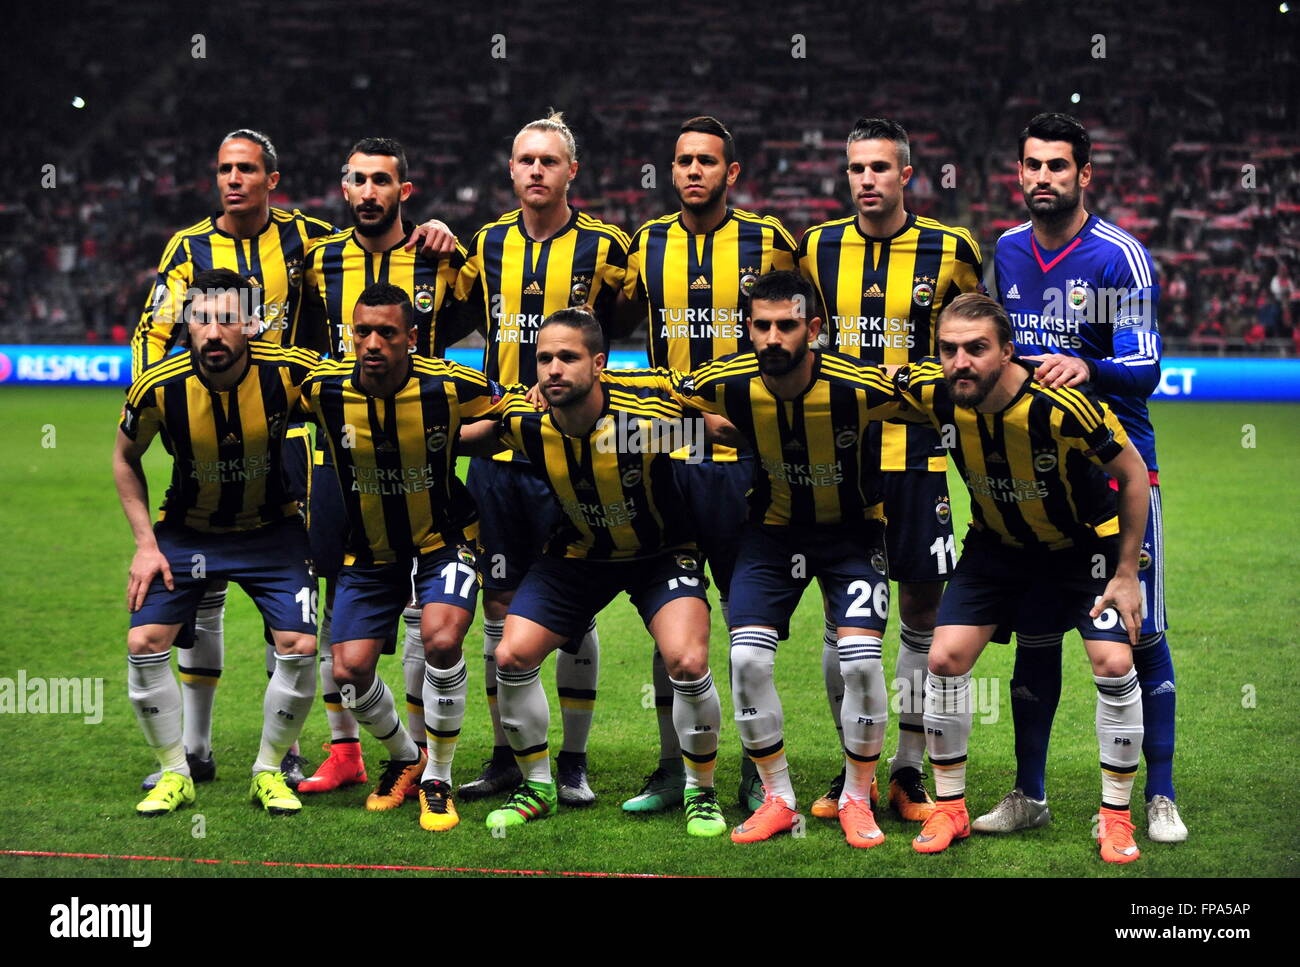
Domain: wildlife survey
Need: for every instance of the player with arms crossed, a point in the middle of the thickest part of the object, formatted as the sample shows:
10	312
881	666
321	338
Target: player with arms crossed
380	247
814	512
391	419
1045	552
691	271
267	246
883	275
1083	297
624	529
543	256
221	410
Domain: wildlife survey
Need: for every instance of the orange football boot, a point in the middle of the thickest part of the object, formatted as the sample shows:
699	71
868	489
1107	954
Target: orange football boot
1115	830
948	821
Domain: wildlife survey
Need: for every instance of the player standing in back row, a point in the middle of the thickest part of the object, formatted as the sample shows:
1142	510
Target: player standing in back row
1082	294
542	257
883	276
379	248
693	269
266	246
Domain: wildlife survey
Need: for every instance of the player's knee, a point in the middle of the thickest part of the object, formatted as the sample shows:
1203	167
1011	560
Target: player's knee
441	641
689	666
297	645
946	663
147	640
1113	664
510	658
352	673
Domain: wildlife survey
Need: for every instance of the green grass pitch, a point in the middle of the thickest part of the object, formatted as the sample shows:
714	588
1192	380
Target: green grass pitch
70	787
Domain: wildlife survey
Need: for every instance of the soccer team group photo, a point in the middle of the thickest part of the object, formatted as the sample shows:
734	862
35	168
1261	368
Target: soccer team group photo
808	522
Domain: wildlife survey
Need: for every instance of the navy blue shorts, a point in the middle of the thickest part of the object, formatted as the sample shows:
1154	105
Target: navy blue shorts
919	534
327	518
564	594
269	563
297	457
1031	592
517	515
717	497
776	564
369	599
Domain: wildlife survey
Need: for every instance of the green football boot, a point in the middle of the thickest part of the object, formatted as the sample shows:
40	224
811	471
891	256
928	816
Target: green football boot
172	791
662	791
271	790
703	814
529	801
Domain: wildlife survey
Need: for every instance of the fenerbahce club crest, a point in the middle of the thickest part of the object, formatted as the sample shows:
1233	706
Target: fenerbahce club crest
943	510
923	291
580	290
687	562
423	300
436	439
466	556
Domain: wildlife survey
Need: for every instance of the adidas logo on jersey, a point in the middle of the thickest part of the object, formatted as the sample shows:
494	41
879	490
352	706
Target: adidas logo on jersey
533	288
1013	292
700	283
1164	688
1023	693
231	440
873	293
995	458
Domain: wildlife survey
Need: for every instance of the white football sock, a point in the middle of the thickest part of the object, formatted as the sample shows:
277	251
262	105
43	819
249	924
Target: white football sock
670	750
526	717
1119	736
156	699
200	668
285	708
697	713
445	691
831	676
909	679
575	682
343	724
947	730
413	675
865	711
377	713
759	718
492	631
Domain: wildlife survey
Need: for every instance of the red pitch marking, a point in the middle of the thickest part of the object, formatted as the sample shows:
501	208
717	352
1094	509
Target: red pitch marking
332	866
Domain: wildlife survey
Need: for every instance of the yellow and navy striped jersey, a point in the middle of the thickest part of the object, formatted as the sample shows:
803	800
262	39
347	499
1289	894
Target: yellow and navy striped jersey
228	474
511	283
339	270
615	483
396	456
697	286
881	299
815	466
1032	468
272	260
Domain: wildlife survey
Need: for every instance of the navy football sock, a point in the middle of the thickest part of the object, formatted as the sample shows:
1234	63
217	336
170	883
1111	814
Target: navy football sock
1035	693
1155	669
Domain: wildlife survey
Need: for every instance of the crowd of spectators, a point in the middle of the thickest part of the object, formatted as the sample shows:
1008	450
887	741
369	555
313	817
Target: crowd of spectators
1192	112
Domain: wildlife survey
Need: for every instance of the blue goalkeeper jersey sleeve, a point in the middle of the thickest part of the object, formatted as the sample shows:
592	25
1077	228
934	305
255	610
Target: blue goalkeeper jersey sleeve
1096	298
